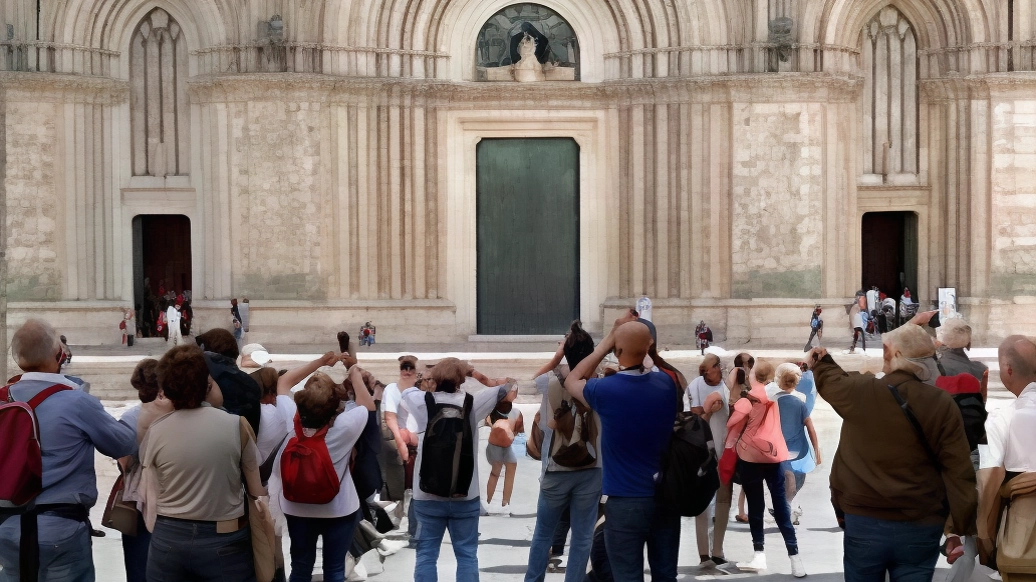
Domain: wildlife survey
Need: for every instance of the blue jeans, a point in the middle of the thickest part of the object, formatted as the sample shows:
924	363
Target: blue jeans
66	553
192	550
631	522
906	550
752	477
338	536
135	550
580	493
433	518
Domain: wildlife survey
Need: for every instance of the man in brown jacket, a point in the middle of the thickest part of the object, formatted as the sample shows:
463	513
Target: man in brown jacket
892	492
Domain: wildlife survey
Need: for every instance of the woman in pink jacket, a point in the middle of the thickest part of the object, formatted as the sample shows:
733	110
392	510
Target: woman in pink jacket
754	431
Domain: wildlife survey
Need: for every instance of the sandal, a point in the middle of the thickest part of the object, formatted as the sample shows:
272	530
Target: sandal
741	519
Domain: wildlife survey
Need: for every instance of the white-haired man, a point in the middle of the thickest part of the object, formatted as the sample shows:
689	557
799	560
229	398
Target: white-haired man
903	464
955	337
72	424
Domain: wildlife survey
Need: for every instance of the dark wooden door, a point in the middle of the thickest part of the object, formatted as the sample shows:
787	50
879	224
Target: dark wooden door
528	235
162	253
890	252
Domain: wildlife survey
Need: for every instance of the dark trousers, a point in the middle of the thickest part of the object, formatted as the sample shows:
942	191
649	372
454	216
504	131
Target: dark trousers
183	550
753	475
338	536
632	523
858	334
907	551
135	550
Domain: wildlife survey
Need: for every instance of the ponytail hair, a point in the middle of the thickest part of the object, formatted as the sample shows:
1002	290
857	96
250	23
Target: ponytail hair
578	344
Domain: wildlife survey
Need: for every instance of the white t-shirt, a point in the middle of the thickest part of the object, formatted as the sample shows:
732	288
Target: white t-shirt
391	401
1010	434
172	315
340	439
697	392
275	421
483	403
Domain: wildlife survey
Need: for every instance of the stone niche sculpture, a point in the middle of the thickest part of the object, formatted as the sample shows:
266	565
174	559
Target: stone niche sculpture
529	69
526	43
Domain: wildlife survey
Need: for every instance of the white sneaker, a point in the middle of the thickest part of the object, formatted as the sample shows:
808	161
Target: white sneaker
388	547
758	563
505	510
797	569
995	576
359	573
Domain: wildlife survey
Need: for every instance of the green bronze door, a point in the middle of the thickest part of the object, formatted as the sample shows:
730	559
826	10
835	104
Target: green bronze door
528	235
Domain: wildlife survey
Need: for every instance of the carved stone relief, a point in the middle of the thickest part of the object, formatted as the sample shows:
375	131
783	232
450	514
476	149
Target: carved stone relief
553	52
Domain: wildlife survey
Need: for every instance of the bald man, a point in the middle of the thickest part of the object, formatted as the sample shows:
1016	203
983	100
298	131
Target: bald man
637	408
1010	434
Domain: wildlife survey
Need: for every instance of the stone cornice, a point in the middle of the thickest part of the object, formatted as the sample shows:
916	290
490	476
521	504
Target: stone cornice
780	87
60	88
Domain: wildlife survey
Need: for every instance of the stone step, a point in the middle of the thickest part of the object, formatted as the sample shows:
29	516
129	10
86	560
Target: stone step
109	370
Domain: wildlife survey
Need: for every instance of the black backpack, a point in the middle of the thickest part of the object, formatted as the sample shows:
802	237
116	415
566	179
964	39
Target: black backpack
448	451
241	393
690	475
973	410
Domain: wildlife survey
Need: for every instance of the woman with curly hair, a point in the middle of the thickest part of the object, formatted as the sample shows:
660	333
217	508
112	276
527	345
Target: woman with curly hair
197	462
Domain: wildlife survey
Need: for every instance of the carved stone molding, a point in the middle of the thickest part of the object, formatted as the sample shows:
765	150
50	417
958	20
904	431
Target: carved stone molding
64	88
784	87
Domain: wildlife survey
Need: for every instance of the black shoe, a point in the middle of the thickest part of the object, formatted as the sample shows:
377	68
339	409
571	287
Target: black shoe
718	560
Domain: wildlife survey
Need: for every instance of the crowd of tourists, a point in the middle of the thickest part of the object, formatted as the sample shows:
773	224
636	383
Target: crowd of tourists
225	455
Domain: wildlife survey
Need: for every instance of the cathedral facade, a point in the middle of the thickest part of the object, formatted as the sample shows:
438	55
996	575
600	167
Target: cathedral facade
454	169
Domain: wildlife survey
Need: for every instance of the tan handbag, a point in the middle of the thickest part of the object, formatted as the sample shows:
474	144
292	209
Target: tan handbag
118	514
260	522
1016	542
264	540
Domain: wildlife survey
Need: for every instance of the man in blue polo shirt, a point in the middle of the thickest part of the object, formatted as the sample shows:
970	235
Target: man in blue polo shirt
637	408
72	425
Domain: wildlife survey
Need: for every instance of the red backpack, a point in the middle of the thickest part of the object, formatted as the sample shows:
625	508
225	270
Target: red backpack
307	473
21	460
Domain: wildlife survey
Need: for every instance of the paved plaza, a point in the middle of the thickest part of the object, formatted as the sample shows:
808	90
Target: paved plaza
504	541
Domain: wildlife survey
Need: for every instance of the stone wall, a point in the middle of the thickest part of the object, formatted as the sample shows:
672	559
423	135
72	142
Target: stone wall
777	199
1013	198
280	208
32	202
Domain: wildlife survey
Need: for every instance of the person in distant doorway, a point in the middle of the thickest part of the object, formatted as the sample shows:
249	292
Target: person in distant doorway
128	326
172	319
857	323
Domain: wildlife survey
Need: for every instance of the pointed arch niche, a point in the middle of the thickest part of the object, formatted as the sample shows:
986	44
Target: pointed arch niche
159	114
888	58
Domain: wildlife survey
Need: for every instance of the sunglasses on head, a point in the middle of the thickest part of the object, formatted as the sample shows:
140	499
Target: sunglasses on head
406	367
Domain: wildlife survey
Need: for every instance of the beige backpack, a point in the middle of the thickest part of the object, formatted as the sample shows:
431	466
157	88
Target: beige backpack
1016	541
